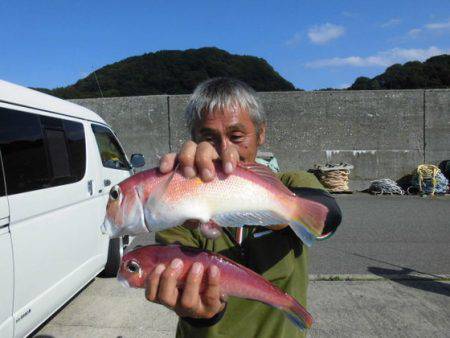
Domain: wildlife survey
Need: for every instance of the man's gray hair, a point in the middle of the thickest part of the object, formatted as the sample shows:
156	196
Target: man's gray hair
221	93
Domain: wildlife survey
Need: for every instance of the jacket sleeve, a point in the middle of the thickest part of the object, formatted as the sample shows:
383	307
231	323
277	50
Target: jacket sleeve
179	235
306	185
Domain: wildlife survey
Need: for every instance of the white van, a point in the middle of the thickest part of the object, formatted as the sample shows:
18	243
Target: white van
57	163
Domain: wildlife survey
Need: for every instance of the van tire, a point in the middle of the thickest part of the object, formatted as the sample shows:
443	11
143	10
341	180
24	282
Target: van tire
115	253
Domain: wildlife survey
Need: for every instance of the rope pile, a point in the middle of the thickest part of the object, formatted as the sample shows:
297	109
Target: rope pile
385	186
428	179
334	177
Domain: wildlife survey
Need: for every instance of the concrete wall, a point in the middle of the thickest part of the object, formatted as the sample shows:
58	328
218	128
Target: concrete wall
437	125
382	133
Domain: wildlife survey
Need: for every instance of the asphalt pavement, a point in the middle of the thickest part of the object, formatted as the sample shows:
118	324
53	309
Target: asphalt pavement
387	235
340	309
386	273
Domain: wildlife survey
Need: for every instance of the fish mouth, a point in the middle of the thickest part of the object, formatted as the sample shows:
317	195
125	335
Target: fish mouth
109	228
104	228
122	280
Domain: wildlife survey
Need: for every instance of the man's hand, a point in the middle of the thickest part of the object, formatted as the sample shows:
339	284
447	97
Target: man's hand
189	302
197	159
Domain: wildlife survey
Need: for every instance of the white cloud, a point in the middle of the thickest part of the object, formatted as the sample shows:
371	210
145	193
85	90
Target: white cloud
324	33
414	32
352	61
402	54
294	40
391	23
381	59
438	25
349	14
343	86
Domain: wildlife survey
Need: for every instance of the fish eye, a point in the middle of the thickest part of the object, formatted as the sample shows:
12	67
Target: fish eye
114	194
133	266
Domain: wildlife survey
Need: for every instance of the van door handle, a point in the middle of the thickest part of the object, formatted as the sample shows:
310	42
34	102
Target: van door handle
107	182
4	222
90	187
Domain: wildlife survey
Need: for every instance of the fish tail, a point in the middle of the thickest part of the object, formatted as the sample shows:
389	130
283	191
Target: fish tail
303	233
298	315
308	220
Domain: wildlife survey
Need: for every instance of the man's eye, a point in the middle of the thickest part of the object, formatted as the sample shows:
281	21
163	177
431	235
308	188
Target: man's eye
236	138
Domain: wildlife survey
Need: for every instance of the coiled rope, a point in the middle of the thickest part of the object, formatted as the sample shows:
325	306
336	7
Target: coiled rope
385	186
334	177
428	179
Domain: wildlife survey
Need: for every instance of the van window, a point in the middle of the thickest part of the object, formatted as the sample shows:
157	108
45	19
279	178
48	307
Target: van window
77	148
66	149
2	178
40	151
58	151
110	151
24	156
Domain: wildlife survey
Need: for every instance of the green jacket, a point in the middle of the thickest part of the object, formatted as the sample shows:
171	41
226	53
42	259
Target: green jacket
279	256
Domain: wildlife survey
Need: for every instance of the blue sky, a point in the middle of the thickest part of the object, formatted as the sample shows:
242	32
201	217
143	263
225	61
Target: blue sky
313	44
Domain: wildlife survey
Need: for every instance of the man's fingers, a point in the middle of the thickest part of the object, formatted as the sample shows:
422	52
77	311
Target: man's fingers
167	163
190	298
230	158
153	282
211	296
186	157
204	157
167	291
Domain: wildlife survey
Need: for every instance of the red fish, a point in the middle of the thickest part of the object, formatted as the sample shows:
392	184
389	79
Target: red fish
235	279
252	195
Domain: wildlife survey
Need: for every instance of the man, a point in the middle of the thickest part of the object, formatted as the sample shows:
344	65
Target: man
227	124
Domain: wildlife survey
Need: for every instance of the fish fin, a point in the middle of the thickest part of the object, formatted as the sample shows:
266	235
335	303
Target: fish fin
298	315
303	233
310	214
139	191
252	217
266	175
307	219
160	190
263	218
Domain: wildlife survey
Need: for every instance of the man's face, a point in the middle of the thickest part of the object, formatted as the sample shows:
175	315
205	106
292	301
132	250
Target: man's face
230	128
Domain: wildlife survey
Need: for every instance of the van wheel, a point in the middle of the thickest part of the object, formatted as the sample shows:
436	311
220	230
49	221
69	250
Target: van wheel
115	253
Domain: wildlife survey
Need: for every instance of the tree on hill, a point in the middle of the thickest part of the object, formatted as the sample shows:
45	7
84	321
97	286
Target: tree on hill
173	72
433	73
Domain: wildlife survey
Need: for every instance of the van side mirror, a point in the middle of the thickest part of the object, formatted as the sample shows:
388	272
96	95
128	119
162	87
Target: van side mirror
137	160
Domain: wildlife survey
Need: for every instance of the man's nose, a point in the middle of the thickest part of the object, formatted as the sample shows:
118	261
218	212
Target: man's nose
224	144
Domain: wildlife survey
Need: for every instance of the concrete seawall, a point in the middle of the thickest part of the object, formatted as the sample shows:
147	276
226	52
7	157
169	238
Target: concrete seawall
382	133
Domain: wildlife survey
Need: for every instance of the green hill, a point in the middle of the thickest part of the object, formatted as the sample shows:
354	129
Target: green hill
433	73
173	72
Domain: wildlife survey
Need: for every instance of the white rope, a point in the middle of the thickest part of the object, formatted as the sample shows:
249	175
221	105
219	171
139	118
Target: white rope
385	186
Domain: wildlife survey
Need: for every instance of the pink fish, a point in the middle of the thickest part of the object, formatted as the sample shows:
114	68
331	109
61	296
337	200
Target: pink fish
252	195
235	279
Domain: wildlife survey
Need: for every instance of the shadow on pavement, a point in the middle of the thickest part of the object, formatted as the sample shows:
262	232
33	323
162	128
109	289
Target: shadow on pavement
405	278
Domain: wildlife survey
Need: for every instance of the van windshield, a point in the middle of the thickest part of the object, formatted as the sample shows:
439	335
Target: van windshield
111	153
